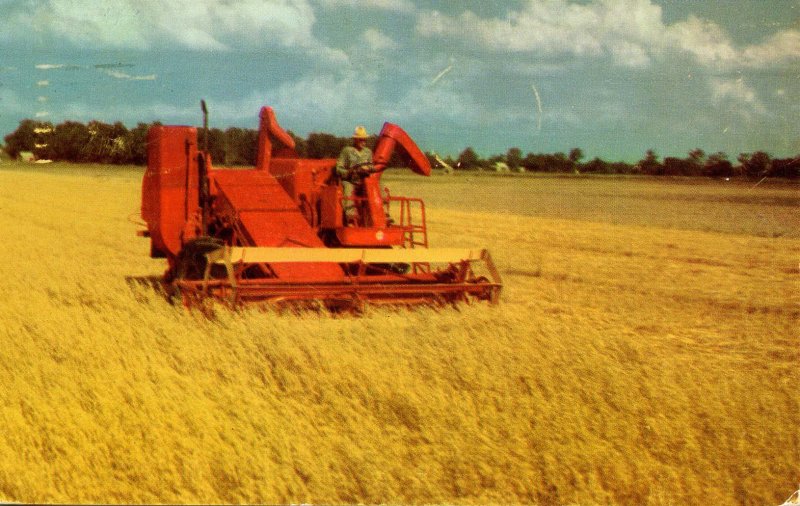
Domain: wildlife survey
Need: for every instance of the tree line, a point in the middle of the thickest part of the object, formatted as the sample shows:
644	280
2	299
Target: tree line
696	163
98	142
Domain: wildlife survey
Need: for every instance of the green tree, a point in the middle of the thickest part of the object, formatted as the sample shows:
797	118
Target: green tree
575	156
68	141
249	146
620	168
216	144
650	164
695	163
787	167
697	156
673	166
107	143
21	139
468	159
137	139
718	165
534	162
558	162
597	166
241	146
514	158
119	147
758	164
322	145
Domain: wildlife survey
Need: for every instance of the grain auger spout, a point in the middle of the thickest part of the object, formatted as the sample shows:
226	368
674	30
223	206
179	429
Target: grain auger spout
284	231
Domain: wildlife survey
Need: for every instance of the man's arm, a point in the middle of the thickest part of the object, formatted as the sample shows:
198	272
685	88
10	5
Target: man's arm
343	164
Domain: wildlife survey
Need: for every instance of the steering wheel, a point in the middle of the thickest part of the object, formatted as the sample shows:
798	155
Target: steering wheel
363	169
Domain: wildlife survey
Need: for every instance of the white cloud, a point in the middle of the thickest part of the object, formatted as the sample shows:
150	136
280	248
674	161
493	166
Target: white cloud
736	95
629	54
85	22
377	40
330	101
110	71
439	102
705	40
631	32
624	29
288	22
403	6
712	46
319	102
144	24
122	75
779	48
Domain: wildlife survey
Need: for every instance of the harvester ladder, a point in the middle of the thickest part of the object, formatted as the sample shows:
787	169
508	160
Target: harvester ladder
415	232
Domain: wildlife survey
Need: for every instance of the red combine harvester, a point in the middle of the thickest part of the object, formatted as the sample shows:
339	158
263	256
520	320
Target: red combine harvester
284	232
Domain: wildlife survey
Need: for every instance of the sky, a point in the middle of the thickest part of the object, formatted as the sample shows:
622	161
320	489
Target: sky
612	77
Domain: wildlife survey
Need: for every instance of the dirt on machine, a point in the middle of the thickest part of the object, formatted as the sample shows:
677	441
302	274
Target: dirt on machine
284	232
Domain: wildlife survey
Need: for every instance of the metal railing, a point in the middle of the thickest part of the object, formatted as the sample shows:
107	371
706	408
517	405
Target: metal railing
407	213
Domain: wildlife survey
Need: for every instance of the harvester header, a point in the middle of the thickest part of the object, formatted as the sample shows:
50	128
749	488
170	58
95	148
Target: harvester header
284	231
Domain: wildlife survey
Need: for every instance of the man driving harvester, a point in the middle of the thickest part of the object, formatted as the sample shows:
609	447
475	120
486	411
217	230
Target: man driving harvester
354	164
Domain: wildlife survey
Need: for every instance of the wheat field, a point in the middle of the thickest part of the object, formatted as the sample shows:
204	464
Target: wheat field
645	351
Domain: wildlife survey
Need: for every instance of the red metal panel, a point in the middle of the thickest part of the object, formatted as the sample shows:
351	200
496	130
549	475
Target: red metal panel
302	176
370	237
171	169
330	208
269	128
391	134
270	217
374	201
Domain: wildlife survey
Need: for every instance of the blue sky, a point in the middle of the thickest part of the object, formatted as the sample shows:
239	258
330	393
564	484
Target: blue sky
613	77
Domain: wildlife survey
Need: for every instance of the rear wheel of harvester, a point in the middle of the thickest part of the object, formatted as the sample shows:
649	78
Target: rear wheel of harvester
191	262
190	265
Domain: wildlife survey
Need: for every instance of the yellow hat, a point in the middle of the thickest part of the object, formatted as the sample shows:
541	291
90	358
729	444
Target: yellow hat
360	133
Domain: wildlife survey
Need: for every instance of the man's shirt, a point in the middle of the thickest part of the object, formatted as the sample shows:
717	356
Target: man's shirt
350	157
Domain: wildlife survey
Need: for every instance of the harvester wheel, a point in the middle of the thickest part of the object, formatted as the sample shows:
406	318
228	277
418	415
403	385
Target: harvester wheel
191	262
